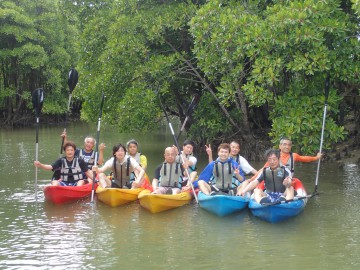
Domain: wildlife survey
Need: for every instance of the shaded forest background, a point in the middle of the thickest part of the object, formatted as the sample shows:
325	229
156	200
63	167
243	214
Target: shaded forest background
259	67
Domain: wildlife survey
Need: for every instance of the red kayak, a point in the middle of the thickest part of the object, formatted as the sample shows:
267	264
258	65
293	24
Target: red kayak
64	194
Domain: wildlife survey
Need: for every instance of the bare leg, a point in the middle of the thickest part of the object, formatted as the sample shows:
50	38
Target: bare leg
289	193
80	183
55	183
176	190
104	181
258	194
241	188
204	187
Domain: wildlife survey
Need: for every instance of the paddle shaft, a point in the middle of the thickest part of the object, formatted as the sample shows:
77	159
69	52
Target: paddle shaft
288	201
97	145
37	101
66	115
189	111
36	154
182	127
177	145
327	86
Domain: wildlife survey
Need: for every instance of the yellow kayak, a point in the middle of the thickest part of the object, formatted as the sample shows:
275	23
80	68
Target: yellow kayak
117	196
156	203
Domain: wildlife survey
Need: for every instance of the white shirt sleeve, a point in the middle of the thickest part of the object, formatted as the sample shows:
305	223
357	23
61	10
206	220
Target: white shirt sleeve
245	166
193	160
108	164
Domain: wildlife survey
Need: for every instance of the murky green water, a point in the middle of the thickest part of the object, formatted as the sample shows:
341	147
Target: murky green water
39	235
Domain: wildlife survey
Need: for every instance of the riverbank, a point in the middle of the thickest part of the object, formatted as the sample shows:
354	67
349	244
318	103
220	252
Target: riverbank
348	152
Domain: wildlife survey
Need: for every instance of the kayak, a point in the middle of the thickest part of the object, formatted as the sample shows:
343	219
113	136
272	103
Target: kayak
281	210
65	194
222	205
156	203
117	196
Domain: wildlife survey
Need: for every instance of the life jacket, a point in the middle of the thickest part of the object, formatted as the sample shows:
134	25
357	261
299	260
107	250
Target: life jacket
89	159
137	157
73	170
121	173
223	175
170	175
179	159
237	159
290	164
273	180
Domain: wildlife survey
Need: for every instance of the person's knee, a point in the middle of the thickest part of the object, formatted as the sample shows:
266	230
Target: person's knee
201	183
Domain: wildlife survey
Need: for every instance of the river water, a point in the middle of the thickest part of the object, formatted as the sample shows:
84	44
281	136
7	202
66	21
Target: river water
39	235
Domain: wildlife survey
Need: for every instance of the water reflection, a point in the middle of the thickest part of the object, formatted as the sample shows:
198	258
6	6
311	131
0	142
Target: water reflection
84	235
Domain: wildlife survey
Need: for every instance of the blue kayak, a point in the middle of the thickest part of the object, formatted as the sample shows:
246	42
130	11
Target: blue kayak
278	212
281	211
222	205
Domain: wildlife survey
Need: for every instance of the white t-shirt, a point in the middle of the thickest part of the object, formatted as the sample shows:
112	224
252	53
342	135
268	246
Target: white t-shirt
244	165
110	163
190	158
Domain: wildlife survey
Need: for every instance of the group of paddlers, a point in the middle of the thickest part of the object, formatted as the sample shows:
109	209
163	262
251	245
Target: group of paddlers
225	174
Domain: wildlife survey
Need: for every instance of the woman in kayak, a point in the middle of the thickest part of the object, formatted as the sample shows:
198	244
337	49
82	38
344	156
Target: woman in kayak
121	166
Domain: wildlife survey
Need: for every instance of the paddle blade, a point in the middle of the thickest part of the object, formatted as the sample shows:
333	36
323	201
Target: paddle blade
38	100
193	104
73	79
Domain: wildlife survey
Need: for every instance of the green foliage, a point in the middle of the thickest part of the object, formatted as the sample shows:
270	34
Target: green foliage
298	114
356	6
267	51
133	57
36	49
210	122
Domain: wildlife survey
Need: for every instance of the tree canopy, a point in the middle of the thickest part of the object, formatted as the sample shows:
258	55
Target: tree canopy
37	47
259	66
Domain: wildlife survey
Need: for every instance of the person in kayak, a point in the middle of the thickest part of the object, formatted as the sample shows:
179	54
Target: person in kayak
235	155
277	181
121	166
87	153
168	176
70	169
187	159
132	147
287	159
222	175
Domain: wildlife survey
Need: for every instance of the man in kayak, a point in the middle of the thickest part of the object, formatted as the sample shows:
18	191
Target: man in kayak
277	181
71	169
188	161
287	159
222	175
169	175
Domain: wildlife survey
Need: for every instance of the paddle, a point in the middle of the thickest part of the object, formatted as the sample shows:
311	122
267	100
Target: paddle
177	145
327	86
194	102
37	101
97	146
288	201
72	81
